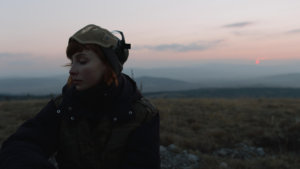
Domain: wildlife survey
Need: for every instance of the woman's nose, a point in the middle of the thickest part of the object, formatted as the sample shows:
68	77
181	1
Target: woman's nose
73	71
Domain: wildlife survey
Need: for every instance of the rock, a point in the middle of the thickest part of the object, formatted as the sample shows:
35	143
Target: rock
192	157
260	151
162	149
223	165
173	147
240	151
173	158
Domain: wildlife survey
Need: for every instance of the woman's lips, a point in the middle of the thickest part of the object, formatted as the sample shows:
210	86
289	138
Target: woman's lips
77	81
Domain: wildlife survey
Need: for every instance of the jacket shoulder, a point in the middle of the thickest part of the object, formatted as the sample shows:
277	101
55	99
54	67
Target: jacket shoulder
144	109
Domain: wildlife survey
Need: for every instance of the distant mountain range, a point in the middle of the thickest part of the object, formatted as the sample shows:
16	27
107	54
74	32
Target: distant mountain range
154	84
246	92
218	72
35	86
53	85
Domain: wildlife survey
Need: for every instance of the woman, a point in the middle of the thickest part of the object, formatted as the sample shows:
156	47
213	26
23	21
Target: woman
100	121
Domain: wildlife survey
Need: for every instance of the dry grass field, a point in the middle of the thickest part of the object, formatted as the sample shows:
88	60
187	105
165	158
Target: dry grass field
203	126
206	125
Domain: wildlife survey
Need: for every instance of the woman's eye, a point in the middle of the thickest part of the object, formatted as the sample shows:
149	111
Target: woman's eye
82	61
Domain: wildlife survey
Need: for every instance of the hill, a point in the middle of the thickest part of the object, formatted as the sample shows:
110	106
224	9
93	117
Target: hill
155	84
53	85
229	93
33	86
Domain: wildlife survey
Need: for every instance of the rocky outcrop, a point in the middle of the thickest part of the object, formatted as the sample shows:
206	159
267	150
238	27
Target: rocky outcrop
174	158
171	156
240	151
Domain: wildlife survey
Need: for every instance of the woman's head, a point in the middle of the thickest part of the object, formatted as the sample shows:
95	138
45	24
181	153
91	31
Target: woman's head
97	56
89	66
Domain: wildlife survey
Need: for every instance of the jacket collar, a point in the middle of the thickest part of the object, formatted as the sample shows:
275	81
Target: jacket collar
114	101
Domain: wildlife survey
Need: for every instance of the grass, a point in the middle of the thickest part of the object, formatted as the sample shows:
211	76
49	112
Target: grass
14	113
205	125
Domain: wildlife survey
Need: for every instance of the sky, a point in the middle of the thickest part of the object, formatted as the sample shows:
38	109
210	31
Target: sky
163	33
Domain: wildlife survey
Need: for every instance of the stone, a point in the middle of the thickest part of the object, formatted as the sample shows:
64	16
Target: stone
223	165
174	158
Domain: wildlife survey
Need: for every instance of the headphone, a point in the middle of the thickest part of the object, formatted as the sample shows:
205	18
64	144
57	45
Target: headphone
122	48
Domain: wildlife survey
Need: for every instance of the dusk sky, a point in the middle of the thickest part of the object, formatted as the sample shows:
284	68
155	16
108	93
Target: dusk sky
163	33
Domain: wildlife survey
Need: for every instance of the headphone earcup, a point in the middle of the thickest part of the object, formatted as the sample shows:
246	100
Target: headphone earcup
122	52
124	56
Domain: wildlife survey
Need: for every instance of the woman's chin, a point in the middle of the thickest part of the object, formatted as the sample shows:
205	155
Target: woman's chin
80	87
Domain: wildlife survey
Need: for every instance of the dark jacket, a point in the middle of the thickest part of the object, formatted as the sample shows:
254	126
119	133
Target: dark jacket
38	138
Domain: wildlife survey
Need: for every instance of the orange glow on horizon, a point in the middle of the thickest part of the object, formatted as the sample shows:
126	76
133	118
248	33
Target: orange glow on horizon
259	59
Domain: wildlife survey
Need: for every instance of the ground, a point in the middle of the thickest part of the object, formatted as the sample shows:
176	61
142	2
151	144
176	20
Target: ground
208	127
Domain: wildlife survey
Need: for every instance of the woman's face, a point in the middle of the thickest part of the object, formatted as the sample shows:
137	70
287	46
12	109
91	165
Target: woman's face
86	69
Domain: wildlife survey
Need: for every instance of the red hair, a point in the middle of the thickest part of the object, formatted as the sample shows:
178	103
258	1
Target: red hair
109	76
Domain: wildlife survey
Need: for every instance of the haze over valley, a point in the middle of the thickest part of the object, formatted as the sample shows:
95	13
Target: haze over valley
173	79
